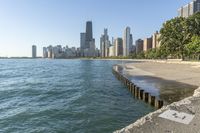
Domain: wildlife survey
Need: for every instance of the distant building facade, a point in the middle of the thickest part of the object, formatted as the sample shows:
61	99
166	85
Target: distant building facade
189	9
139	46
104	44
34	51
45	52
82	43
58	52
127	41
87	42
131	47
118	44
155	40
111	51
147	44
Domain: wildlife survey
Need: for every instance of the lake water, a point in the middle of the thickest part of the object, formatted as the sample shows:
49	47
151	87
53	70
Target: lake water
64	96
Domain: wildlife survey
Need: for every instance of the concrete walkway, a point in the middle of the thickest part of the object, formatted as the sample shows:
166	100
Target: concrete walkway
184	72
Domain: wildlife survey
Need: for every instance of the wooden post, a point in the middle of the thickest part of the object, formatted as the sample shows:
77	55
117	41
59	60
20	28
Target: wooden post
141	94
129	87
146	96
151	100
137	92
158	103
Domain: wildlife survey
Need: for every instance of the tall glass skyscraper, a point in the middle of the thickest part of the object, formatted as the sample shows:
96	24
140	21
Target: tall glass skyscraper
82	43
127	41
89	34
87	42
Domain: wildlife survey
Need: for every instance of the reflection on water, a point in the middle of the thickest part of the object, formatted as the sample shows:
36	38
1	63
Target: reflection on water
167	90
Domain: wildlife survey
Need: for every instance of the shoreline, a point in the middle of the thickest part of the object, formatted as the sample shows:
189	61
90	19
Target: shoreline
152	123
168	61
149	123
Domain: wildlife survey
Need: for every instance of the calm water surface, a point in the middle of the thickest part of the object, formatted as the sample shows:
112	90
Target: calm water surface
64	96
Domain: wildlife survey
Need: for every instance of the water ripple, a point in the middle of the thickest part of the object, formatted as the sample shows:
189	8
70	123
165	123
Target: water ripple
66	96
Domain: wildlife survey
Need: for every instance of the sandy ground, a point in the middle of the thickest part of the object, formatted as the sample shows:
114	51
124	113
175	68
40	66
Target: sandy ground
186	72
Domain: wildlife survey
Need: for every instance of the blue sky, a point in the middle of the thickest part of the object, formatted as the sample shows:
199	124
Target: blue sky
59	22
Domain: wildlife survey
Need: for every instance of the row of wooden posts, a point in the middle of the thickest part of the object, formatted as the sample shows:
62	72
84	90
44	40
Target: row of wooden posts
137	92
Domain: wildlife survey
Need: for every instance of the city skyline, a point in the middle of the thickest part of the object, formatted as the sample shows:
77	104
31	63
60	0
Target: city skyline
40	23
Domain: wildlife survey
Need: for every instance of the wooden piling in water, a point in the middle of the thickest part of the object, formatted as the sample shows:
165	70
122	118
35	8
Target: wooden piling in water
132	88
129	87
146	97
137	92
127	83
141	94
158	103
151	100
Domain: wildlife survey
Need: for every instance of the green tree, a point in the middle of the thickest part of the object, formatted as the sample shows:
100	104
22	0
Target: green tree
193	24
140	55
193	48
174	37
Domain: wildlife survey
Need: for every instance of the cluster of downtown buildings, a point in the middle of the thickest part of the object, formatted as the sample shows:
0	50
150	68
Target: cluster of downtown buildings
87	47
124	46
60	52
120	46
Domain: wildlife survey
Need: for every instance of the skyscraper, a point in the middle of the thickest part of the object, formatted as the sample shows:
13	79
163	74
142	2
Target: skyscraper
89	34
155	40
111	51
34	51
127	41
189	9
104	44
131	43
139	46
45	52
82	43
147	44
118	47
87	42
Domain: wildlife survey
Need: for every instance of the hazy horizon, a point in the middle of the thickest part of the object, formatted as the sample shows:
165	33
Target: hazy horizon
59	22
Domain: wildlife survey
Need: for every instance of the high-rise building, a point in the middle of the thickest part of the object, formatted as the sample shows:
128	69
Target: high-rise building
155	40
131	43
118	47
97	51
82	43
45	52
189	9
50	51
133	49
89	34
147	44
139	46
127	41
87	42
104	44
34	51
111	51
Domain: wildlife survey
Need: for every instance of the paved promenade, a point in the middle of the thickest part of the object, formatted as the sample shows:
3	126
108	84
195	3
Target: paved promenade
184	72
